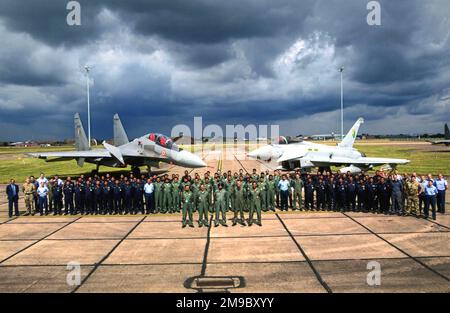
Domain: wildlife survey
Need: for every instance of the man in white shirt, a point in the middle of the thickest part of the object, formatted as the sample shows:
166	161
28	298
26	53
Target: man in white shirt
441	185
42	179
149	189
42	192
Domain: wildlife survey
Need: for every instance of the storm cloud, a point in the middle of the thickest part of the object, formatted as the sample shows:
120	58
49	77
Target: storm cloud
160	63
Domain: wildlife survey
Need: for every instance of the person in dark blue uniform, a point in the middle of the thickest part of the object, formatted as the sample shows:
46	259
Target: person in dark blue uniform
372	200
351	194
320	194
341	195
127	197
309	194
57	197
138	196
68	198
383	195
330	195
117	198
98	198
106	198
79	197
361	190
89	198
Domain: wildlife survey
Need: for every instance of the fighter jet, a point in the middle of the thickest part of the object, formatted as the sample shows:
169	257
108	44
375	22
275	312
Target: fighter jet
148	150
446	141
308	154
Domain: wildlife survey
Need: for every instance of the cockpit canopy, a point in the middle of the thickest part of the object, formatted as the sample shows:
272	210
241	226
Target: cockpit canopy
281	140
163	141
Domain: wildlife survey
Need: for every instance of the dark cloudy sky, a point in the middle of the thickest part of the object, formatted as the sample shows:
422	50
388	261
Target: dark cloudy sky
161	62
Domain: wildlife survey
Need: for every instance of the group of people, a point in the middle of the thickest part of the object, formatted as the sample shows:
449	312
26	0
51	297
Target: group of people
240	193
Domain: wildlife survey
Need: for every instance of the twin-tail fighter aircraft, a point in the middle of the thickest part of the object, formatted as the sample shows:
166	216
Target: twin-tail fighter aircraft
149	150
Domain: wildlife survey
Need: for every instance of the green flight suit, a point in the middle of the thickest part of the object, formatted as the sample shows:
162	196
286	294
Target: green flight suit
239	197
167	198
255	205
263	194
176	196
187	199
202	203
271	194
297	184
220	202
228	186
158	196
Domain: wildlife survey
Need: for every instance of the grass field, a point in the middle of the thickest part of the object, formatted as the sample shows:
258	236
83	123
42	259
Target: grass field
424	157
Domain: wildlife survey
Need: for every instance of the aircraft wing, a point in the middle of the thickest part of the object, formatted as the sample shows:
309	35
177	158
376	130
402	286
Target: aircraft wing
100	153
358	161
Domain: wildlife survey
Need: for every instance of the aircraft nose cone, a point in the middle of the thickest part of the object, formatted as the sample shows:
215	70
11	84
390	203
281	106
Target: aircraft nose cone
192	160
252	155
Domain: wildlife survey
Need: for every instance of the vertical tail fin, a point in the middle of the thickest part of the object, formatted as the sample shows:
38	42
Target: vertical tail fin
81	142
120	136
349	139
447	132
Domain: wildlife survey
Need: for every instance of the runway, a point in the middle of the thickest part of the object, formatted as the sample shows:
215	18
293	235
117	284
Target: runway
292	252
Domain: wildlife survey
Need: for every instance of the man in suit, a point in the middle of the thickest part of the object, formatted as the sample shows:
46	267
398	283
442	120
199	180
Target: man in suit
12	191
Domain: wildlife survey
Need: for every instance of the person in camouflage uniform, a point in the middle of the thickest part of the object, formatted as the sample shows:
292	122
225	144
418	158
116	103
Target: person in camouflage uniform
413	189
29	191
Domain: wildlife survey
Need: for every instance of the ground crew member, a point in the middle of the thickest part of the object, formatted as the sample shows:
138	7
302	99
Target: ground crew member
351	194
117	197
239	195
320	194
271	187
98	196
361	190
127	197
430	199
255	204
396	195
12	192
106	198
42	193
220	201
297	185
57	195
372	200
309	194
79	197
331	193
187	199
283	186
29	190
202	203
341	194
228	186
89	198
68	198
413	189
209	188
137	194
441	186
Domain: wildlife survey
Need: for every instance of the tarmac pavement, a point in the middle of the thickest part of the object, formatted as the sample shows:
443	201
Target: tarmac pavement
291	252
